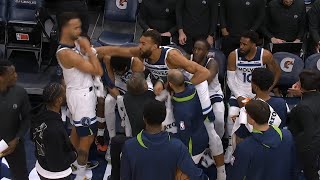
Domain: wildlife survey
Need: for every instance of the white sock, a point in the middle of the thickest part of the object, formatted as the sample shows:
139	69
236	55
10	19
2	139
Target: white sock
81	171
221	173
100	132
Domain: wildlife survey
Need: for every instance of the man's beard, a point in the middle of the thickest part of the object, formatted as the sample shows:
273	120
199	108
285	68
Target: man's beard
146	54
243	53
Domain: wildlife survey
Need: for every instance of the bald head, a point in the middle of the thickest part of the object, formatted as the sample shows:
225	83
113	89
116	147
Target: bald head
175	77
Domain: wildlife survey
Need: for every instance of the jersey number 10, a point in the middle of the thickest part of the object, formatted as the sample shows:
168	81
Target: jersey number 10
247	78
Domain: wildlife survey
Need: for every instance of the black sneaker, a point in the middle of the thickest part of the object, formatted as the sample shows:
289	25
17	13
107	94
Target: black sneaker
92	164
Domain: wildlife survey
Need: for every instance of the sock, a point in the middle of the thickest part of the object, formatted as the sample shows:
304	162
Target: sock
221	173
100	132
82	171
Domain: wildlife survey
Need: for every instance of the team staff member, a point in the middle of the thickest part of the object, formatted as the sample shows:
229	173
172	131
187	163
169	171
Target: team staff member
159	15
194	129
15	119
54	150
193	25
238	17
255	156
81	99
154	154
304	124
285	21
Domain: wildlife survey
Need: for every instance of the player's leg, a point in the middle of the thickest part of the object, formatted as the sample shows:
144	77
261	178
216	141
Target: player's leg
74	138
100	140
203	93
110	103
218	110
232	114
216	148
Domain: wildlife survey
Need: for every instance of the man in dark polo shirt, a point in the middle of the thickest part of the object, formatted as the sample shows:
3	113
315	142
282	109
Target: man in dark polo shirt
134	100
14	122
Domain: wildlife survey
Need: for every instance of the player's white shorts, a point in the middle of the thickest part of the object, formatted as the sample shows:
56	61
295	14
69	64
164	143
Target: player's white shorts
82	105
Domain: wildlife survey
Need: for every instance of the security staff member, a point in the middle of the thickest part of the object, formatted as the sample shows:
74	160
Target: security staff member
14	122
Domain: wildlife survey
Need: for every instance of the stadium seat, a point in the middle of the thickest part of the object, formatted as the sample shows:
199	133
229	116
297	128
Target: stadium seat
3	20
291	66
23	31
313	62
115	12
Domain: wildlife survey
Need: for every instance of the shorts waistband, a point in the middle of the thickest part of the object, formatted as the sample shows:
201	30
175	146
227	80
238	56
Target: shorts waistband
84	89
84	122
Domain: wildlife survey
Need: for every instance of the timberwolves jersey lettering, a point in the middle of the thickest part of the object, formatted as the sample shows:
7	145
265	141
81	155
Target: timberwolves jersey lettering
74	78
121	80
244	69
159	70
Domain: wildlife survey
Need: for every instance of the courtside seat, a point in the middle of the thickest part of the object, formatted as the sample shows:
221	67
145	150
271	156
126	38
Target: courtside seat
291	66
119	13
110	38
24	32
313	62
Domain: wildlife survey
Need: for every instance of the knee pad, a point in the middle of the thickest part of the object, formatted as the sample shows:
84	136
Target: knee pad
233	111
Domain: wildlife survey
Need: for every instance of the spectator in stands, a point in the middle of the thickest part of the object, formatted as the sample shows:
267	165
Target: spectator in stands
134	101
238	17
285	21
305	123
77	6
193	25
255	156
314	26
153	154
15	119
159	15
54	150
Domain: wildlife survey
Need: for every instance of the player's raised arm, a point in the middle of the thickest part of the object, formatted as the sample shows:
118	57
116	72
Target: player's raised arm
118	51
137	65
70	59
176	60
272	66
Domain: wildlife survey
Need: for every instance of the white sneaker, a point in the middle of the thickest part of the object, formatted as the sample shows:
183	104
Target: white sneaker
228	155
87	176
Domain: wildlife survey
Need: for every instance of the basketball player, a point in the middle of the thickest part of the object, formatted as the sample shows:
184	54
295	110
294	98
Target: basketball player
241	63
119	71
200	53
158	60
81	99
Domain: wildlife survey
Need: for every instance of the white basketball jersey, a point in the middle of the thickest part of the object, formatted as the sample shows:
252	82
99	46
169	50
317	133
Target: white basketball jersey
244	69
159	70
74	78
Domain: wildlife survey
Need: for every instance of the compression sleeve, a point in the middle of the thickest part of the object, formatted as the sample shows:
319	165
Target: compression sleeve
231	75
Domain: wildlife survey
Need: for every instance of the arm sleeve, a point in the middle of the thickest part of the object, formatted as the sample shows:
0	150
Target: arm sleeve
240	166
260	13
125	171
223	18
187	166
55	144
25	116
314	24
142	17
302	23
231	75
179	13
